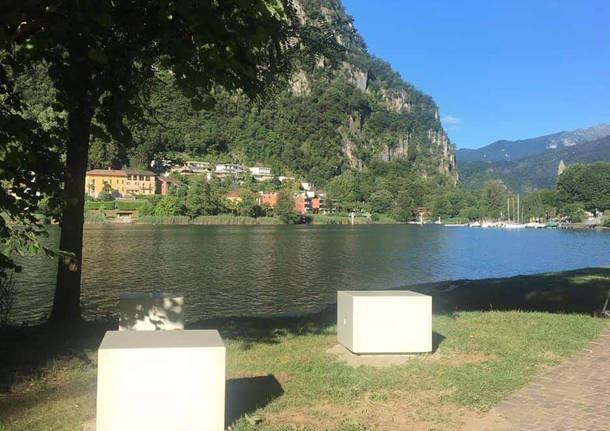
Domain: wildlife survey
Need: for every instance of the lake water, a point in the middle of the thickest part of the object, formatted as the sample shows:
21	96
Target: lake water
266	270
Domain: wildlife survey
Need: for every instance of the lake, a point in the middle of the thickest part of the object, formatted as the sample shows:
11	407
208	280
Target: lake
267	270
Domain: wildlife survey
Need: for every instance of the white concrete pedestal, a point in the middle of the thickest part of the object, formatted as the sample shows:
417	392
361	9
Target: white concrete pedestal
161	381
384	321
151	311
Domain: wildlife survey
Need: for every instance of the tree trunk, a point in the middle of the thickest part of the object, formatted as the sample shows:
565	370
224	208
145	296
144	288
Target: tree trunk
66	303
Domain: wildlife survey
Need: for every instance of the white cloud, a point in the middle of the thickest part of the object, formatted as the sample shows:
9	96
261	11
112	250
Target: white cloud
450	119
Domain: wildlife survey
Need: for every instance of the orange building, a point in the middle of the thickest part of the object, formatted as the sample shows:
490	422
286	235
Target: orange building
269	199
299	204
302	203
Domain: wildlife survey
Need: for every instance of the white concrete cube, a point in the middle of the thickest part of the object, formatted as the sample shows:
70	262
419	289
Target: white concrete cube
384	321
151	311
160	381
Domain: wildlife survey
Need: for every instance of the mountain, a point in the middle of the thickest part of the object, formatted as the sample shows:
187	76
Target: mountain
352	115
504	151
533	172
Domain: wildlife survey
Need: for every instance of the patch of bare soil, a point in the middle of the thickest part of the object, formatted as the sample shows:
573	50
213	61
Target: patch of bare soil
343	354
420	411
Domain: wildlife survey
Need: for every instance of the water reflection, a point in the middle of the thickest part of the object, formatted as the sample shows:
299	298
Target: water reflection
261	270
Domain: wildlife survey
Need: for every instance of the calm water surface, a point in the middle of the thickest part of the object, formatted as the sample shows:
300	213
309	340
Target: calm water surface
265	270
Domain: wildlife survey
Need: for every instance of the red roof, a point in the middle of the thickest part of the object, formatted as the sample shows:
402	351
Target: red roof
233	193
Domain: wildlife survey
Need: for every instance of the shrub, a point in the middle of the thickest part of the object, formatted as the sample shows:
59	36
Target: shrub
163	220
94	218
130	205
91	205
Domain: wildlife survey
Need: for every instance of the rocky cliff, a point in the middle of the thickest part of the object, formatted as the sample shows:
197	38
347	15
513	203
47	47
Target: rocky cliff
348	113
415	133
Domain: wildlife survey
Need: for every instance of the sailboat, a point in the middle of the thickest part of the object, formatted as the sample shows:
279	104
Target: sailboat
510	223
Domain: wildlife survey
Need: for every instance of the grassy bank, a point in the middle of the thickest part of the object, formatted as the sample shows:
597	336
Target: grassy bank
329	219
281	376
226	219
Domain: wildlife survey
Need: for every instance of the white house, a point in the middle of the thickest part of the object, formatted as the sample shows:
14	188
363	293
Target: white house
261	173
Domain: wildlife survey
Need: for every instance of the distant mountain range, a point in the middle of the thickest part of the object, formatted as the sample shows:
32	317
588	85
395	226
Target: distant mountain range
531	164
505	151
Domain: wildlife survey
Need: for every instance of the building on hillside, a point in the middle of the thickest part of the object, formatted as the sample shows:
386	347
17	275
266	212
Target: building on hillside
299	203
122	182
226	169
304	203
165	184
198	167
234	196
268	199
561	167
192	167
261	173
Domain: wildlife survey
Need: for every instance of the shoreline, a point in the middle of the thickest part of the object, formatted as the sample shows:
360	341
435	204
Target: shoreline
225	220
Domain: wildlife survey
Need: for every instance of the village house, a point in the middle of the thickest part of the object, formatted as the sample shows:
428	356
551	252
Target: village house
164	185
226	169
261	173
197	167
269	199
122	182
304	203
233	196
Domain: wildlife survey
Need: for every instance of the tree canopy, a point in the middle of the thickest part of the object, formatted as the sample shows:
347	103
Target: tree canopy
102	57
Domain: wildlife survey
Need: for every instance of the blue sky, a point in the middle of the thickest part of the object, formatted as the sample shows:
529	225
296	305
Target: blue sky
498	69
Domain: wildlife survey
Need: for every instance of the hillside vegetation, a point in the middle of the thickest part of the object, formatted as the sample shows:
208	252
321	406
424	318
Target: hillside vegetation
502	151
351	115
534	172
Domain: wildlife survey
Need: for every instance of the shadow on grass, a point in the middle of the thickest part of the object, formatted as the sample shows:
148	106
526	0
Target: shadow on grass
578	291
24	351
251	330
246	395
437	339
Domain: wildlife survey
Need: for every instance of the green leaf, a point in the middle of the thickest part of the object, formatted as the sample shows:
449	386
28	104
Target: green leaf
104	20
98	55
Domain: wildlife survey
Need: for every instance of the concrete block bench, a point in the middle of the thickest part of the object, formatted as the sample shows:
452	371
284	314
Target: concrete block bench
151	311
160	381
384	321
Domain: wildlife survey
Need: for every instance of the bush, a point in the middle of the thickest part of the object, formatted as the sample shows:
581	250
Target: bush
575	212
94	218
107	205
130	205
163	220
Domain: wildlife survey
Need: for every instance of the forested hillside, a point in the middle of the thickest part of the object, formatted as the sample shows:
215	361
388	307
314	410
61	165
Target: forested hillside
351	115
534	172
505	151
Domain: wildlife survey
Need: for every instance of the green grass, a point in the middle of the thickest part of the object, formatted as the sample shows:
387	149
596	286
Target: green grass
226	219
94	218
163	220
288	381
92	205
130	205
330	219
